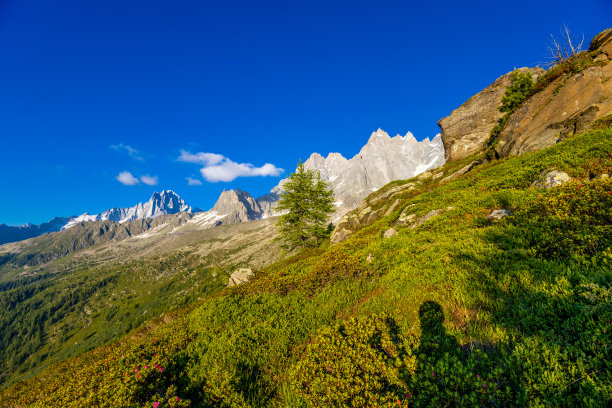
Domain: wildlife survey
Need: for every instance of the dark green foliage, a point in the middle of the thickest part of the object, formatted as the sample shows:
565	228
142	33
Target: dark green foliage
516	93
308	202
51	316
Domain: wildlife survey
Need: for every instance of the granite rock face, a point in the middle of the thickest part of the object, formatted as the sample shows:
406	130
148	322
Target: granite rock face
568	105
468	127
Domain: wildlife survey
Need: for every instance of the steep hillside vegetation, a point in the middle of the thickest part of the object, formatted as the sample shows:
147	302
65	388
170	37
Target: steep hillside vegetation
64	293
447	308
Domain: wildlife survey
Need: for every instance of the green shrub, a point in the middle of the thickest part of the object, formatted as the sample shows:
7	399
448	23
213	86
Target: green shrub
358	363
570	221
520	88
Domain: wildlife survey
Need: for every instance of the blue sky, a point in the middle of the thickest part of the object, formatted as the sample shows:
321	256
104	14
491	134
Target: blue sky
91	90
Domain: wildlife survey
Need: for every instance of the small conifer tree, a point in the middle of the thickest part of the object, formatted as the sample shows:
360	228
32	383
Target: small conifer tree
307	202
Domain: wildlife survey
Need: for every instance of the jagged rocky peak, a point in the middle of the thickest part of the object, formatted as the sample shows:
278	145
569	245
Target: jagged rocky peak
237	206
328	167
382	137
164	202
380	161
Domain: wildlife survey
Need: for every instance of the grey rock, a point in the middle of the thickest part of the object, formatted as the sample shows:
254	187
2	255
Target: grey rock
237	206
240	276
431	214
498	214
550	179
369	258
602	176
424	176
465	169
390	233
405	217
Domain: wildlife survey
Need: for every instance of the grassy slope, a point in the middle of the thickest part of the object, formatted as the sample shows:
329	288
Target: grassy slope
98	294
526	303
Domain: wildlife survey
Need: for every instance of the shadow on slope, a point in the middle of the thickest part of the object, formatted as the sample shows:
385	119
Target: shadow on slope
547	288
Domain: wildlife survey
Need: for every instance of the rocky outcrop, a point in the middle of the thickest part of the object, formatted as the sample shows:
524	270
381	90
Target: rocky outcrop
391	232
239	277
567	105
602	42
468	127
376	206
550	179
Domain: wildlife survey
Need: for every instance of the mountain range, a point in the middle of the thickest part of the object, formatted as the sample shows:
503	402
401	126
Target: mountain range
381	160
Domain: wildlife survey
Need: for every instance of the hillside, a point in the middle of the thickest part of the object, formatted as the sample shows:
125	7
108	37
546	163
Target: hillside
459	310
67	292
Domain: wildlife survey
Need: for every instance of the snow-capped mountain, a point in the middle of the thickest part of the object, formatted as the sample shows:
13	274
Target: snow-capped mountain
166	202
382	160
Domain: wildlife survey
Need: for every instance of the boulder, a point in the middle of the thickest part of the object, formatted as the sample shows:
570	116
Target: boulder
390	233
240	276
468	127
550	179
498	214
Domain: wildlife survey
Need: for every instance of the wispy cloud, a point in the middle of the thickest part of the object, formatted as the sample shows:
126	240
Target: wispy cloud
126	178
148	180
133	153
193	182
229	170
207	159
220	168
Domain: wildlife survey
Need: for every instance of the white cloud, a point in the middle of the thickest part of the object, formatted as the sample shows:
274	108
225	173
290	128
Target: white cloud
220	168
148	180
229	170
193	182
207	159
125	177
133	153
